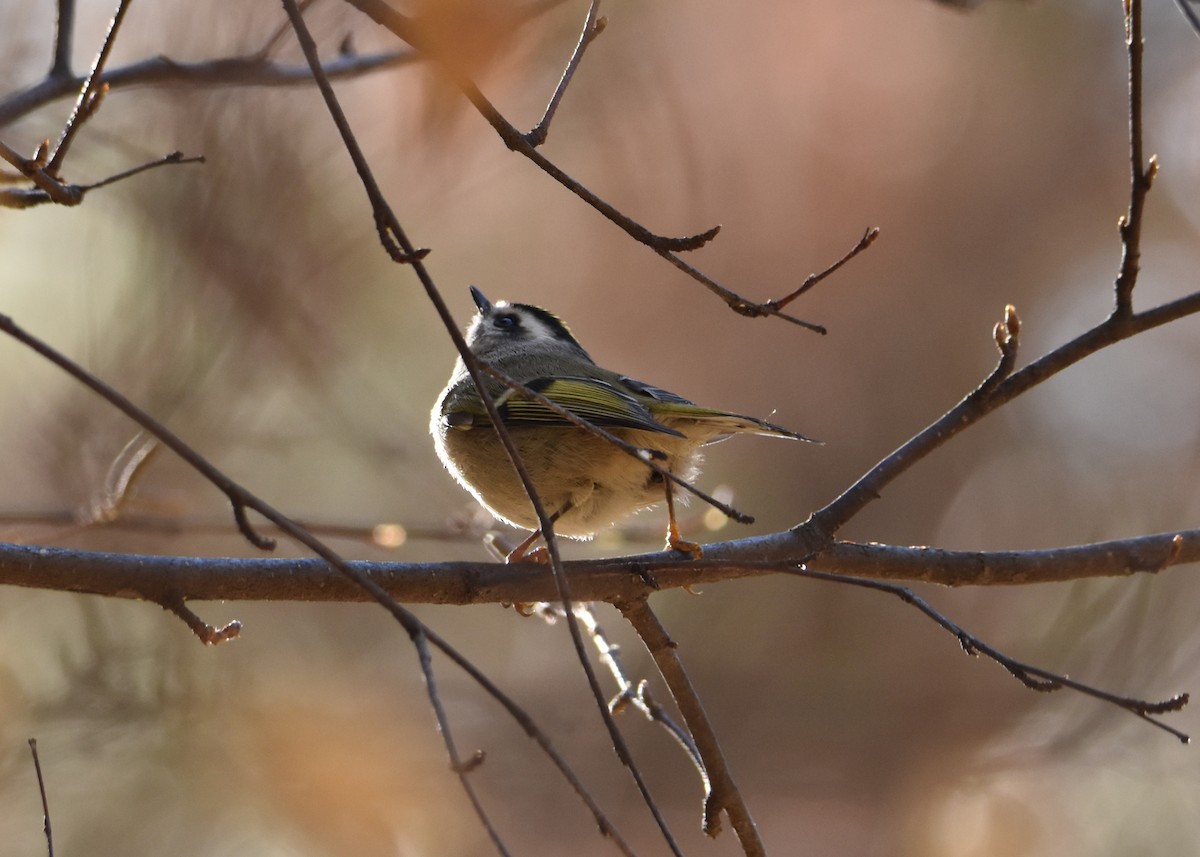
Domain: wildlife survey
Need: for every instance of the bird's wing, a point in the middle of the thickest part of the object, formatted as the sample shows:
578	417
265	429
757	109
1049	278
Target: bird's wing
599	402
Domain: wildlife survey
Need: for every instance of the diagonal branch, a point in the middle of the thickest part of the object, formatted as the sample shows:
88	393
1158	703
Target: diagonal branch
1032	677
982	401
351	573
405	252
592	27
723	794
90	95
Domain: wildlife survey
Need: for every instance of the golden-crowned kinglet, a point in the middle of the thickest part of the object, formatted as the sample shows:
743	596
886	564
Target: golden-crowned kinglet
585	482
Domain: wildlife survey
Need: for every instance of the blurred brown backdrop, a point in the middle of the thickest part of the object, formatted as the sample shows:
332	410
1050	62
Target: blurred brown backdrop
247	303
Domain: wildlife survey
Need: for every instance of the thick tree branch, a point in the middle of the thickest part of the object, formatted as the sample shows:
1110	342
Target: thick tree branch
156	578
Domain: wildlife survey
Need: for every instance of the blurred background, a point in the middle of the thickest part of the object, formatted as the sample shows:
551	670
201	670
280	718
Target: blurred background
246	302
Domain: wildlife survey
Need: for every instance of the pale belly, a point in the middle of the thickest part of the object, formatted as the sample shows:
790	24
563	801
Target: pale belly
597	483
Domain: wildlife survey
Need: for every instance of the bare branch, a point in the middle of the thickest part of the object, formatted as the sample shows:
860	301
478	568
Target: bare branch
407	30
51	189
154	578
64	31
368	589
37	767
1141	174
1031	676
811	280
629	694
206	633
89	96
592	27
737	303
398	246
252	70
982	401
724	795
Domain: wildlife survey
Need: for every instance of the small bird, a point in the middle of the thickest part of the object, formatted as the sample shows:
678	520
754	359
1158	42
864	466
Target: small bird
584	482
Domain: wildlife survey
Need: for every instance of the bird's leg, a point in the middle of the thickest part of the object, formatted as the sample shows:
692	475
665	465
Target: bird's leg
674	540
540	554
519	552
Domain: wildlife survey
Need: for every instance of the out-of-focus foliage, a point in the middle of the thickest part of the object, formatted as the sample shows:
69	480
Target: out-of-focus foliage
247	303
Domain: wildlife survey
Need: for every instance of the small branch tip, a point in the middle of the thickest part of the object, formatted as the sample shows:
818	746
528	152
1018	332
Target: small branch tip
465	766
243	524
205	633
689	242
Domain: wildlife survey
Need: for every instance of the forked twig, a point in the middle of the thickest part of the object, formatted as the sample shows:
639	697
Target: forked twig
723	794
90	95
248	70
1031	676
408	30
52	189
989	396
405	252
241	500
630	694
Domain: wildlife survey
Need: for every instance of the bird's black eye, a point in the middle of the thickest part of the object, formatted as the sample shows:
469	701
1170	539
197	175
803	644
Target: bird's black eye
507	321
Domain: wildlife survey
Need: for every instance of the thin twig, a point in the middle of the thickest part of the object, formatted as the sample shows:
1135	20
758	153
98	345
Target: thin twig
592	27
398	246
811	280
737	303
64	31
347	572
37	767
1141	174
1031	676
206	633
409	31
250	70
50	189
638	695
724	795
85	105
979	403
238	496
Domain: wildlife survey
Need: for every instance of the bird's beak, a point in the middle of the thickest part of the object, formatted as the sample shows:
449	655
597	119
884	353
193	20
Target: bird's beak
481	300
